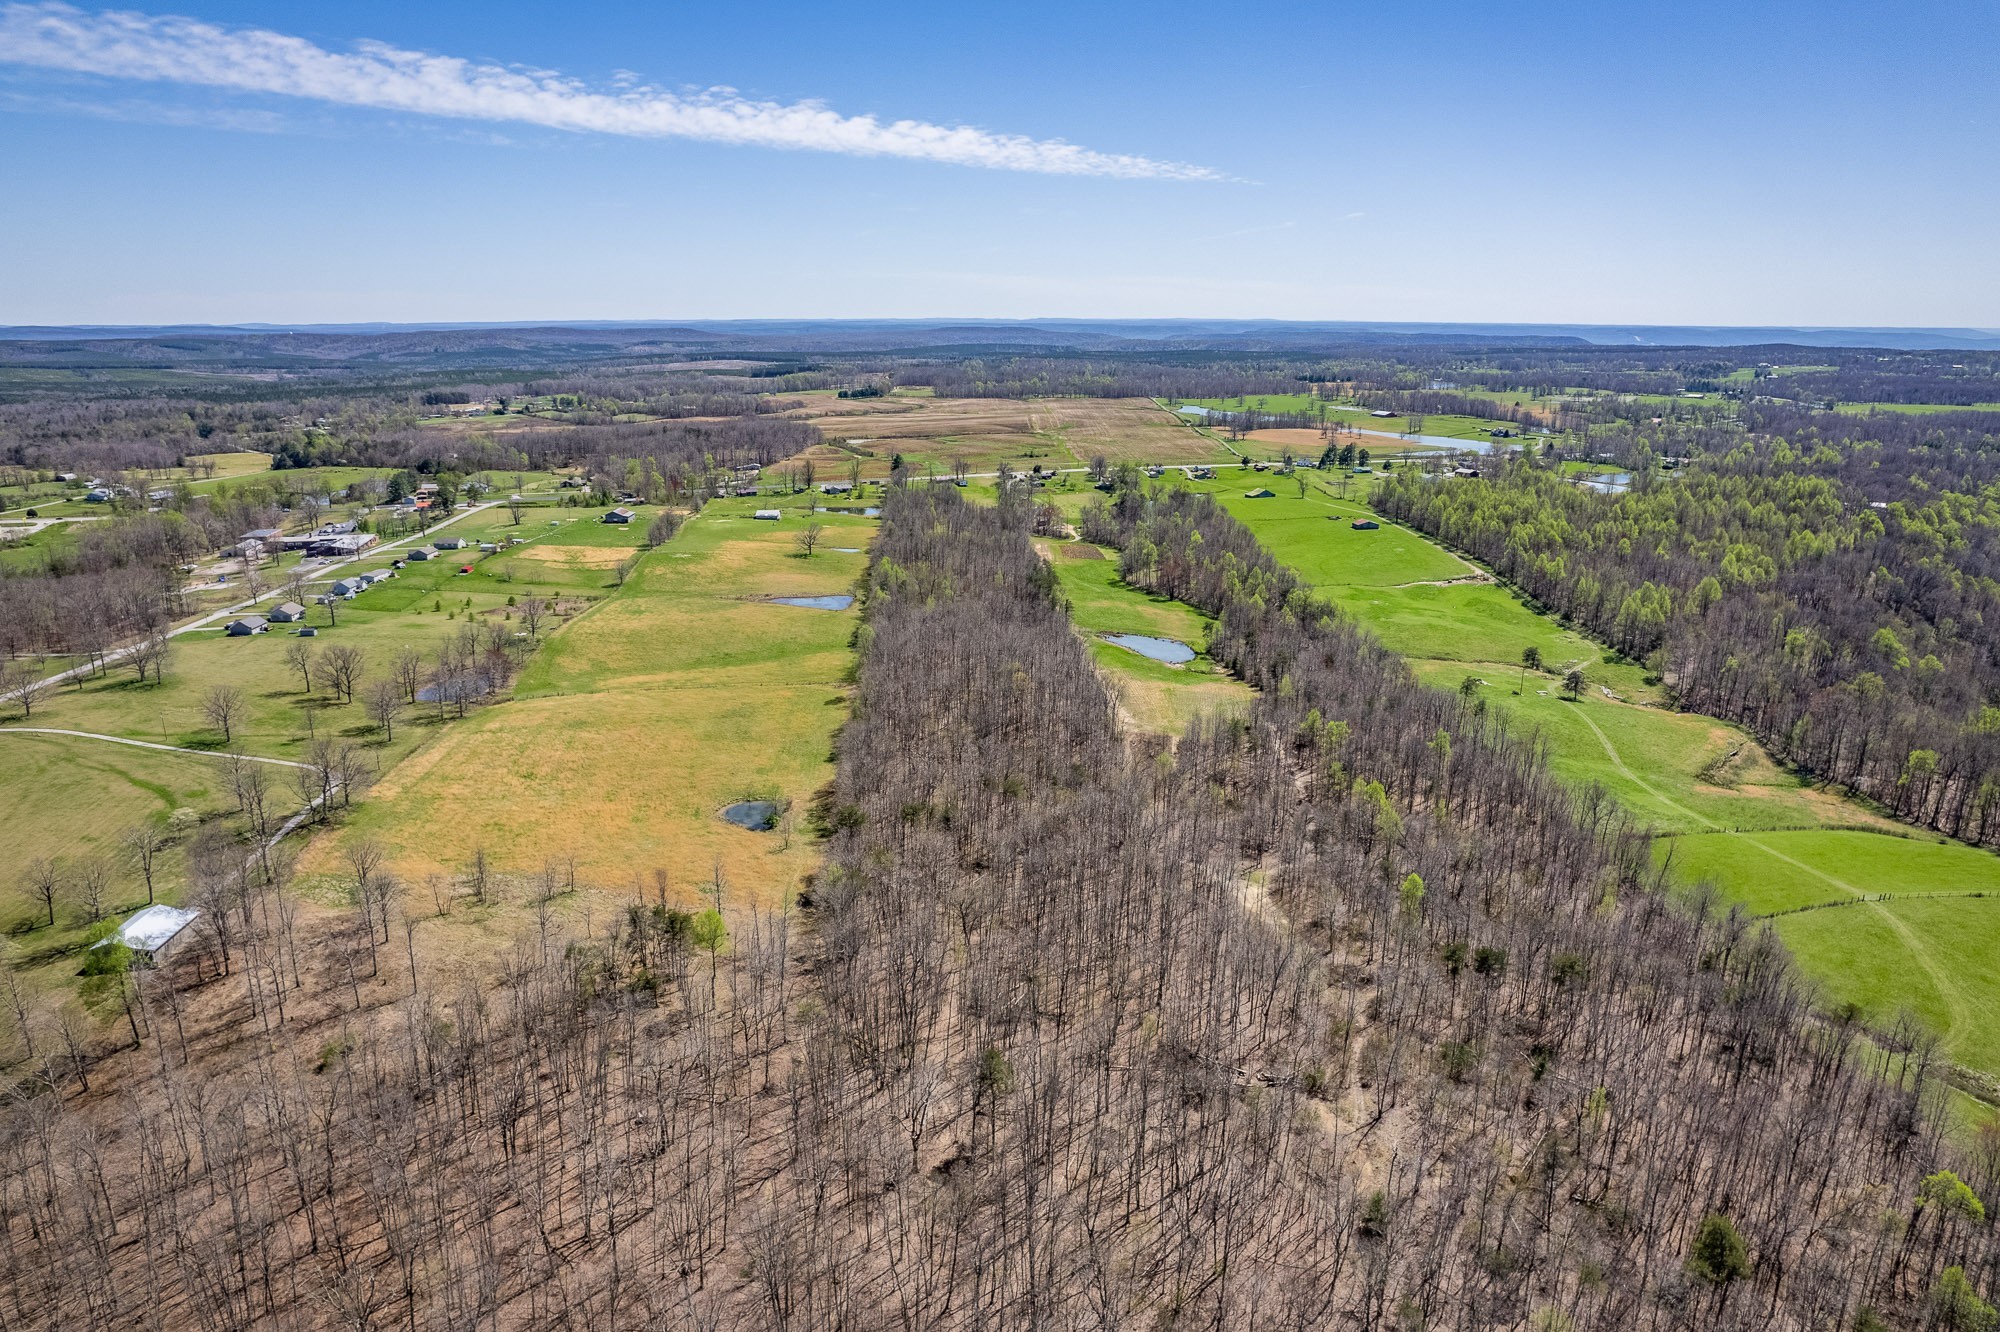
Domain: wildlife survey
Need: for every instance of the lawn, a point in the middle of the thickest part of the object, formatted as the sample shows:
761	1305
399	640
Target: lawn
678	693
72	800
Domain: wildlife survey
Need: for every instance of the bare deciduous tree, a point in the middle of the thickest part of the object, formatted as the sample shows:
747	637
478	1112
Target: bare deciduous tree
223	706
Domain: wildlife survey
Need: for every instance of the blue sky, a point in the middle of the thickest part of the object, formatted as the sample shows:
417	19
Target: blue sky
1783	163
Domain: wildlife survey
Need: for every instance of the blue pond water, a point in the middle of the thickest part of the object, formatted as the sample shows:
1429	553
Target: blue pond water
756	815
1171	651
1610	483
841	602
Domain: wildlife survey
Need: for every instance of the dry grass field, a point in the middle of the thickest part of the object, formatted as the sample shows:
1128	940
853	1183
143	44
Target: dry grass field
639	721
984	432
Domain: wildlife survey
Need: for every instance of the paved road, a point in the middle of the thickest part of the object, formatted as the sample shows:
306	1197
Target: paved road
150	744
370	555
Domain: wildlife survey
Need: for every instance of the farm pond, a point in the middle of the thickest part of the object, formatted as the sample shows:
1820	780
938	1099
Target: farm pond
1169	650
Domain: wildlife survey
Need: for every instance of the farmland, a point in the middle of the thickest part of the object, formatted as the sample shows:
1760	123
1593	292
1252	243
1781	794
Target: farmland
1763	836
935	434
682	691
1157	697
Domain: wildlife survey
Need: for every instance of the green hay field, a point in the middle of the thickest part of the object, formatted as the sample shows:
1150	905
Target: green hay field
1156	697
1764	837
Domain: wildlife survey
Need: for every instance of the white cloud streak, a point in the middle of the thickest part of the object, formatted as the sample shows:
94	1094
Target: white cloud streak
167	49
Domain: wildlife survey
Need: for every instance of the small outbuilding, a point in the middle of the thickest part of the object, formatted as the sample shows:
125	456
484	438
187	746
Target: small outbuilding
769	515
1258	494
307	631
1365	525
285	612
249	624
621	514
153	933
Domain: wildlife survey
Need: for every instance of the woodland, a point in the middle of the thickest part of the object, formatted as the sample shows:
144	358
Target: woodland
1339	1011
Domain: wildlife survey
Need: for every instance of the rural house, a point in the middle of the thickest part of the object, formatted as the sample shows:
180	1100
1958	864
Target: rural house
288	611
449	543
249	624
423	553
154	932
348	587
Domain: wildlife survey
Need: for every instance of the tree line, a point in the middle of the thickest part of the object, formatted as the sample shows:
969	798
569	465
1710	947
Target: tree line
1829	590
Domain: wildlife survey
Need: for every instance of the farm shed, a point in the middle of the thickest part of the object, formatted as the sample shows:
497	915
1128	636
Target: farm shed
153	933
769	515
1365	525
1258	494
249	624
287	611
621	514
449	543
422	553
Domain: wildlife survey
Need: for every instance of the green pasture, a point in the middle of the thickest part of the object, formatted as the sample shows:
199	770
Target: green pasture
676	693
1155	696
1937	958
1786	870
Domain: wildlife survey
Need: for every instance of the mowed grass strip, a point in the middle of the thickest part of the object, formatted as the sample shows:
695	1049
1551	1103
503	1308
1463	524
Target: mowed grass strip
1822	865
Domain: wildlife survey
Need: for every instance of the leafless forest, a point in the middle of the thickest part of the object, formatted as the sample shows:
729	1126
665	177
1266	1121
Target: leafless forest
1345	1014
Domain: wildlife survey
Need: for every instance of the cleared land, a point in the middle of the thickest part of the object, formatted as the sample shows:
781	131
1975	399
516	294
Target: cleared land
1765	838
1156	697
982	433
683	691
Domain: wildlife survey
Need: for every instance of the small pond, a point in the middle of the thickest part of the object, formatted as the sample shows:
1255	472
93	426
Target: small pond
756	815
1610	483
1171	651
866	511
839	602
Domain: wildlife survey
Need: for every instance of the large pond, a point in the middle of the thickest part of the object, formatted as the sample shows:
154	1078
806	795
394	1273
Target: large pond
756	815
1169	650
840	601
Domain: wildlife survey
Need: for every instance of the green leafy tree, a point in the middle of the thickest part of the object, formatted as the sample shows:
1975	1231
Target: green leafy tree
1956	1306
1531	660
1719	1255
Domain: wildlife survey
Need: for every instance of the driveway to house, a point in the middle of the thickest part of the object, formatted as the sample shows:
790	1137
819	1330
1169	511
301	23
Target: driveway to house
371	554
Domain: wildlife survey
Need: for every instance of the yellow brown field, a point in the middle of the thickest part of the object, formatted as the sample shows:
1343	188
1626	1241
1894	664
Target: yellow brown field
638	722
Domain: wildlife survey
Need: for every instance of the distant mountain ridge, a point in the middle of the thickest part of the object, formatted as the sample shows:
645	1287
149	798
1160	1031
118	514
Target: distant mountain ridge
364	339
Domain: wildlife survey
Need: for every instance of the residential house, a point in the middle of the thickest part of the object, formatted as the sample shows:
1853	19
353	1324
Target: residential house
249	624
286	612
154	933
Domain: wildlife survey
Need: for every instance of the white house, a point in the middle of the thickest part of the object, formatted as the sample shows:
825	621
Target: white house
153	933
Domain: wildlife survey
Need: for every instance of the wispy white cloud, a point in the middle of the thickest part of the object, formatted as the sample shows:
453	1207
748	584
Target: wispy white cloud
161	48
